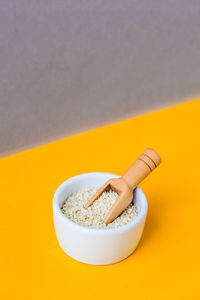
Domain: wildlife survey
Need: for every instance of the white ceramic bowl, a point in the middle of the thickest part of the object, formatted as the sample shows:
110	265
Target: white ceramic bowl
96	246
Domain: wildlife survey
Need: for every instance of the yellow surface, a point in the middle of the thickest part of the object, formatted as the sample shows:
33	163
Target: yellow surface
166	264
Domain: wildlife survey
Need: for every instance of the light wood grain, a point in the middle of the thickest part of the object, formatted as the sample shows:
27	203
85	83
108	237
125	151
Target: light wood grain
125	185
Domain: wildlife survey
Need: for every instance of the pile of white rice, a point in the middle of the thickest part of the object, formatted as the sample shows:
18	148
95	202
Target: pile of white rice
93	216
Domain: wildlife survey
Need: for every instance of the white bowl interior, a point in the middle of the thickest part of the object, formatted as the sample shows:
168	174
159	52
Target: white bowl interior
89	180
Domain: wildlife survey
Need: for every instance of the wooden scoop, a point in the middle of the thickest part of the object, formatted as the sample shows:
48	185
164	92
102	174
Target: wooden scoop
125	185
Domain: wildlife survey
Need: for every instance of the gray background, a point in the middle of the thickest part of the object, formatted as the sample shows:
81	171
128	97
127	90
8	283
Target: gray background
67	66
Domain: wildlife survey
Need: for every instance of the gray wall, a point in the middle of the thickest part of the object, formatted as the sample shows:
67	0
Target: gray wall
66	66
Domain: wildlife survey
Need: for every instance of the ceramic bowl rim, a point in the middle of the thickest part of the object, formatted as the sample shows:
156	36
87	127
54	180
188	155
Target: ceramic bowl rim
96	231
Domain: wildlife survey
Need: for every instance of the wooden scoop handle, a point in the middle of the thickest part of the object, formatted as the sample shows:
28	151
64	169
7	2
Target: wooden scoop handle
141	168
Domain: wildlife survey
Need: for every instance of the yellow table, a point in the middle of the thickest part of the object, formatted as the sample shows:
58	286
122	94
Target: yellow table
166	263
